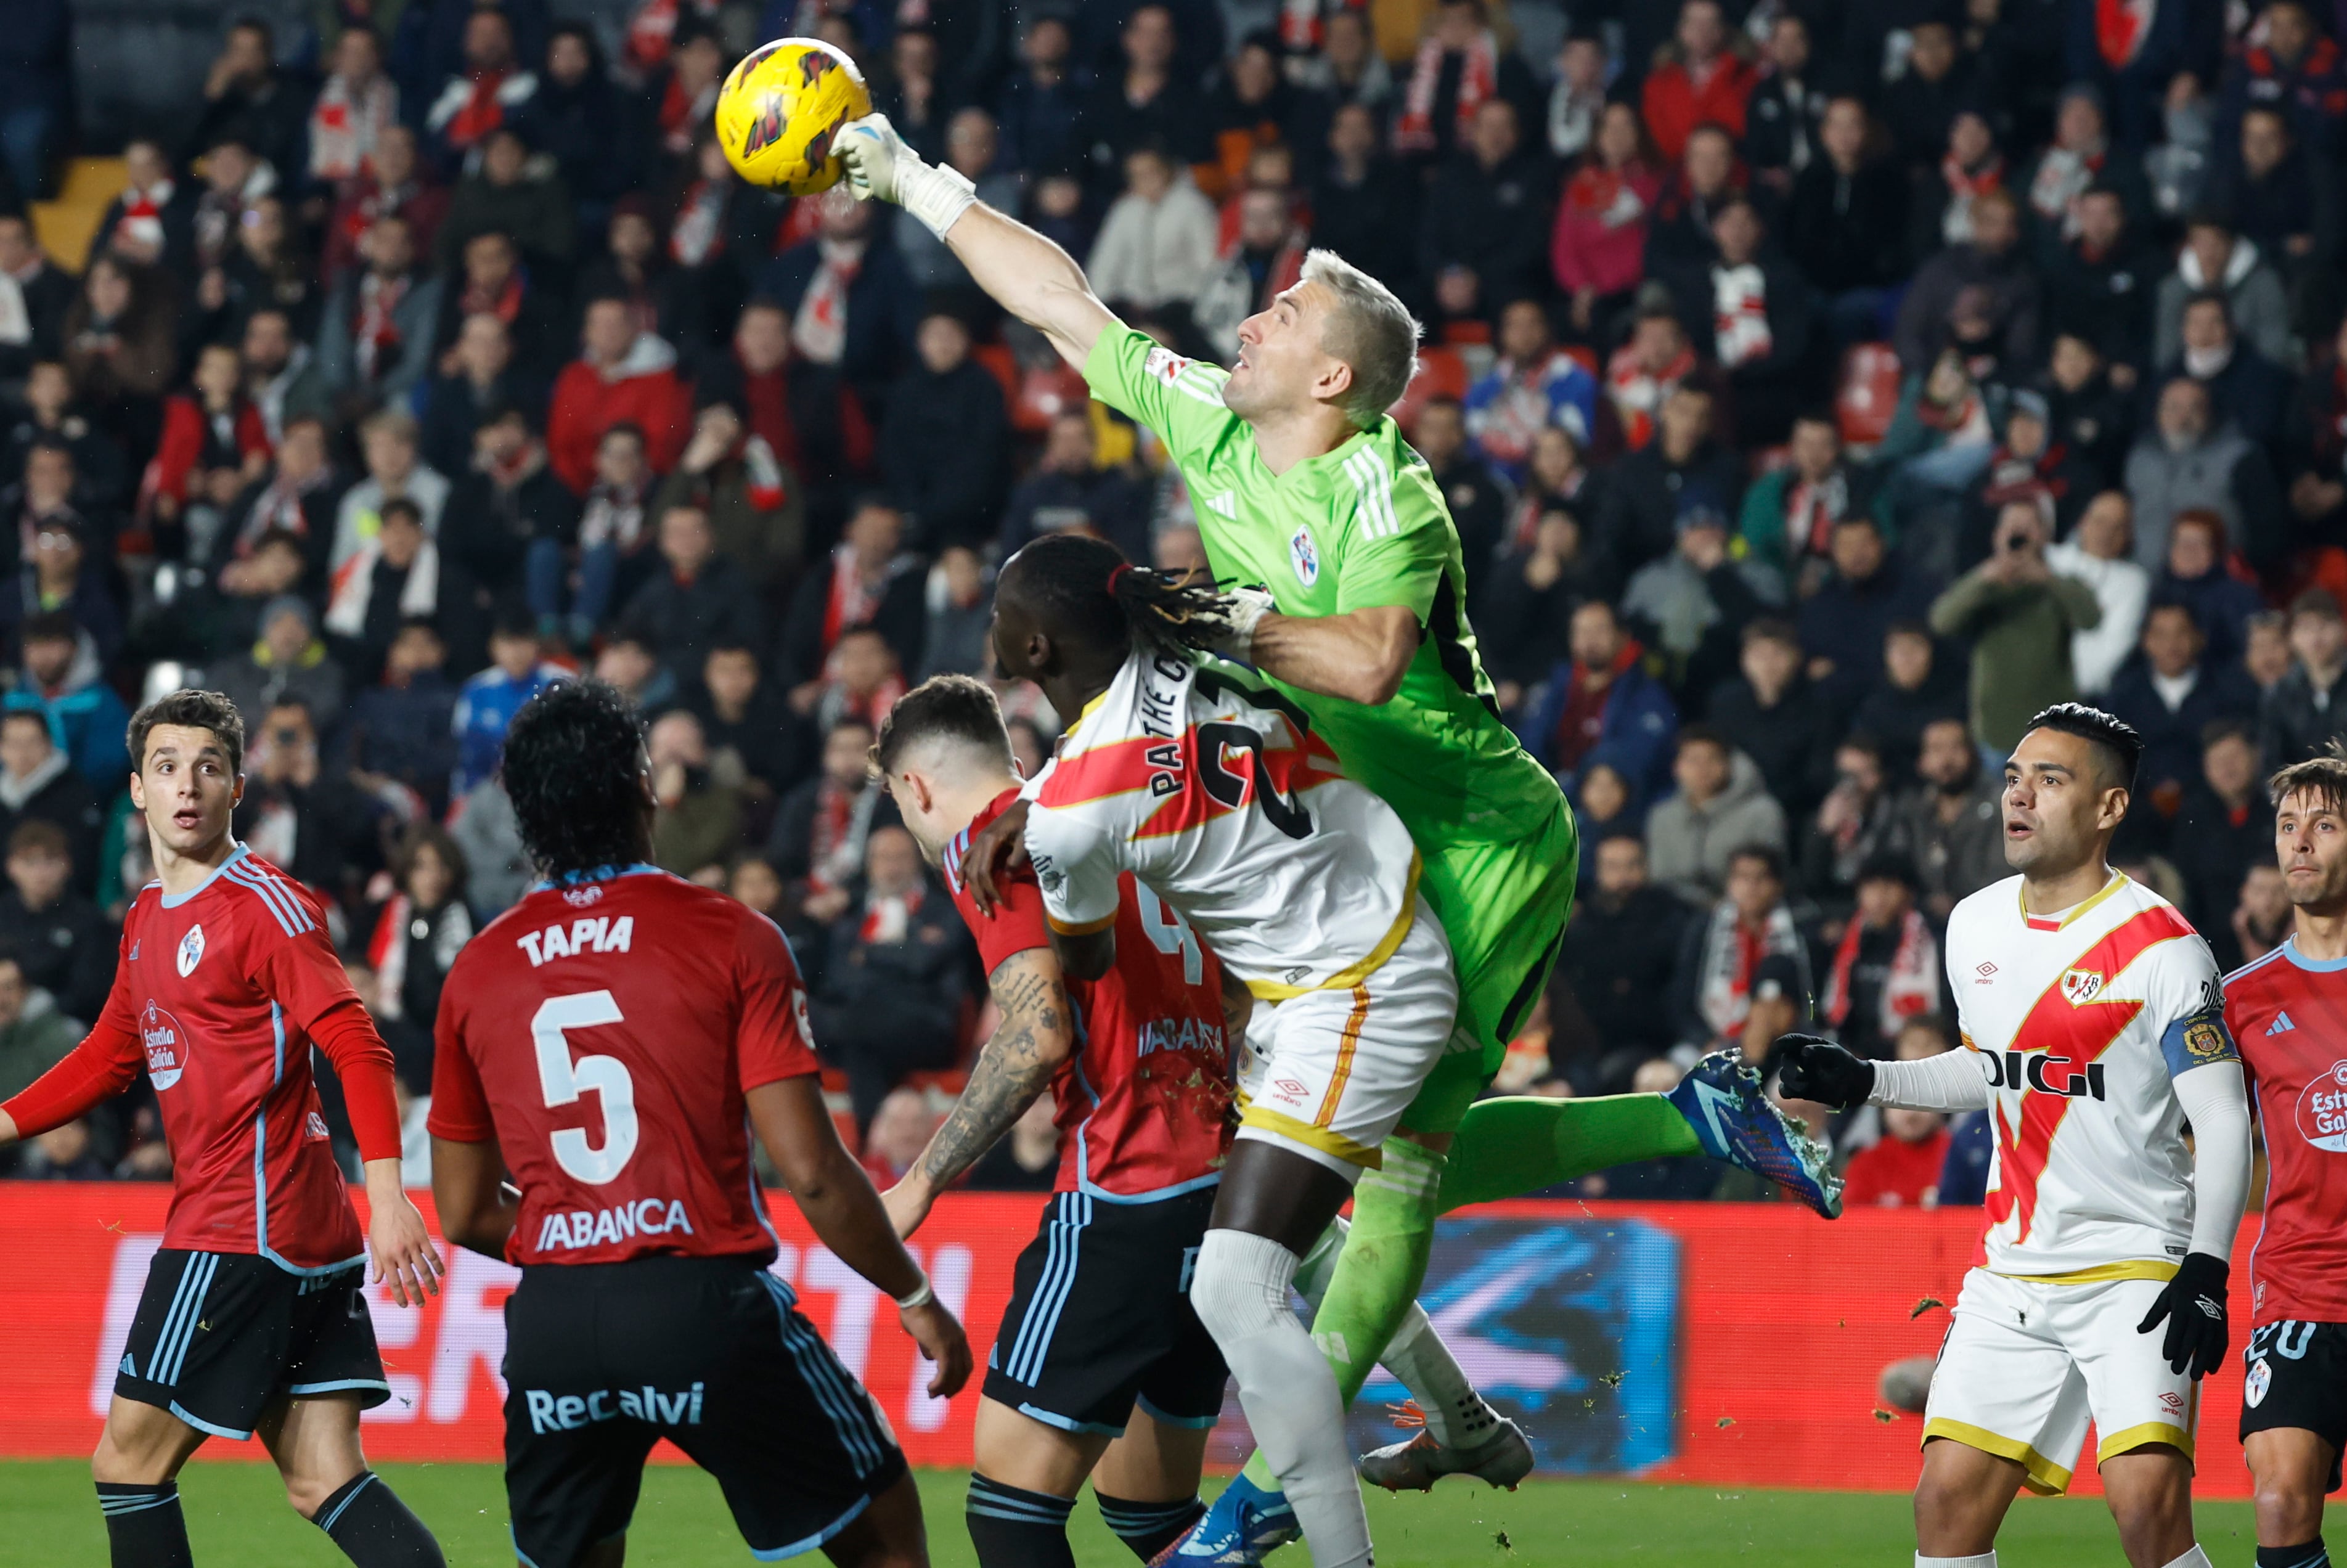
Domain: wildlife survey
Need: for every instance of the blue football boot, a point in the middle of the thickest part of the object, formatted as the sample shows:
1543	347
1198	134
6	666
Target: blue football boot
1735	1120
1244	1525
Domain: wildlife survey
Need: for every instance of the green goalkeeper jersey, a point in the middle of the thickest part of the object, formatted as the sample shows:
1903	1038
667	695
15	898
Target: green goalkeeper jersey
1360	527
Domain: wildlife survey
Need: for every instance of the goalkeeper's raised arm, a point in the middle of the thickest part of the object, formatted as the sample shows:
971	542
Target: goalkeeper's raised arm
1025	274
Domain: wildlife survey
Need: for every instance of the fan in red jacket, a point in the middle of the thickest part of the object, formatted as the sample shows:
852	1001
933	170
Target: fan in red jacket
1702	82
209	429
622	377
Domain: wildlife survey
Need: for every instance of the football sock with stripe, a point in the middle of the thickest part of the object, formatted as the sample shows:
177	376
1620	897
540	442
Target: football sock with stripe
2307	1554
1148	1528
366	1518
1984	1560
2196	1558
1383	1263
1416	1356
1287	1387
1013	1528
1508	1147
144	1526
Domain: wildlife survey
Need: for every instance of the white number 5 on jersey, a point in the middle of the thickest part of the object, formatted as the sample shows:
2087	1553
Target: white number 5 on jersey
564	1081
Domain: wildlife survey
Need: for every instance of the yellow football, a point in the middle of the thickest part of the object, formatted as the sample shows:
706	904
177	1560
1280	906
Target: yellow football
781	109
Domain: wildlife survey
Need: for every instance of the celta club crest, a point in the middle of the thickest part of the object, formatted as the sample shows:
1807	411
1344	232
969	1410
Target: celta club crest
1305	556
191	951
2081	986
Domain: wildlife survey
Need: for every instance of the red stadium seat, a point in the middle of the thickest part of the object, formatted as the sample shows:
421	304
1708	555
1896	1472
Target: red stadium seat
1868	394
997	358
1044	395
1441	373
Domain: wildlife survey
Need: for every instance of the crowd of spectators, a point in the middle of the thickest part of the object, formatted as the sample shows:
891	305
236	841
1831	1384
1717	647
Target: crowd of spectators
1818	389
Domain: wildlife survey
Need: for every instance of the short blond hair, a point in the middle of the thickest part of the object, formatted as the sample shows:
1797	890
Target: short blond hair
1370	330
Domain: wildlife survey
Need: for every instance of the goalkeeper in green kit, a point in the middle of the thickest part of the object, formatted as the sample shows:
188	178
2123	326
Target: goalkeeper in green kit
1301	484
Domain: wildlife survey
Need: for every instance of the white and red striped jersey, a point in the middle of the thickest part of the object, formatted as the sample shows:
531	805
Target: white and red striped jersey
1214	791
2081	1022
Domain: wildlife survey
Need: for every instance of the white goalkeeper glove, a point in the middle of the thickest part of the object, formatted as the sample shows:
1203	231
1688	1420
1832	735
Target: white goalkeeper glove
880	165
1235	618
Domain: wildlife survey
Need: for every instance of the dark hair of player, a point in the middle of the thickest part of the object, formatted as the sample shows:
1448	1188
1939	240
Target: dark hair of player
2324	776
191	709
2117	743
574	769
1088	594
943	707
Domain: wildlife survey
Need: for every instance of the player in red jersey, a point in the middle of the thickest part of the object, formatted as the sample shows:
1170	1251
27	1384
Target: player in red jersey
645	1308
2289	1014
253	1320
1138	1064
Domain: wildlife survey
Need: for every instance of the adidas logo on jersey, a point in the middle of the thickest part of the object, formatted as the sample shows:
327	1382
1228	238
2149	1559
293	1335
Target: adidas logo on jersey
2281	1025
1224	505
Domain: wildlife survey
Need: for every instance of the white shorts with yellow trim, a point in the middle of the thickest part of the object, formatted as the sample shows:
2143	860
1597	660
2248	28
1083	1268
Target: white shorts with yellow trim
1328	1073
2028	1363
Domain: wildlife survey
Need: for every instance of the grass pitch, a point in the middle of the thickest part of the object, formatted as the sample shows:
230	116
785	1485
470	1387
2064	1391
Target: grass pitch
236	1515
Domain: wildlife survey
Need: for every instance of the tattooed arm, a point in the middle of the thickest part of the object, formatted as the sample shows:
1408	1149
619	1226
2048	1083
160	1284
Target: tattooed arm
1036	1036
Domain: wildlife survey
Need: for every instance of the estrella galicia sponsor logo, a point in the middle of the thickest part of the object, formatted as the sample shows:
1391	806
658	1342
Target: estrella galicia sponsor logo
552	1412
191	951
166	1043
565	1230
2048	1074
2322	1110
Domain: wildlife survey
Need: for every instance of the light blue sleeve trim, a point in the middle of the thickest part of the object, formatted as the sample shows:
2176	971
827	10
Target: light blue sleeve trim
300	1389
1068	1423
808	1543
204	1426
1188	1423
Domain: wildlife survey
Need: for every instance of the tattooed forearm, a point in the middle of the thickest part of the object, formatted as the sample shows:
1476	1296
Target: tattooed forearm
1016	1066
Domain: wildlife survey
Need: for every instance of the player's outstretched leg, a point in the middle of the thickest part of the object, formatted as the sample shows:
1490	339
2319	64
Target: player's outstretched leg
137	1461
315	1442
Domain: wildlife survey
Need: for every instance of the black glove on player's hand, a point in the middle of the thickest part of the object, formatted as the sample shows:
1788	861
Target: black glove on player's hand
1814	1069
2194	1305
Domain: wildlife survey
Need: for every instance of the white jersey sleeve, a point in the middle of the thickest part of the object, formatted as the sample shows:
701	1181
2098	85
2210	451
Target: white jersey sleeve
1076	864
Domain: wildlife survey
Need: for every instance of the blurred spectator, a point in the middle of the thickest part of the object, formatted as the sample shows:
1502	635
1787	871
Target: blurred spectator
2281	198
756	506
1146	103
490	281
2261	919
1853	828
396	186
622	376
395	470
2020	616
1603	705
417	936
1266	259
1488	215
899	1128
1748	929
2098	554
961	616
1867	591
2224	826
896	977
1068	488
871	582
375	343
2079	158
1996	265
58	933
34	295
247	98
701	601
1721	808
490	87
755	743
2198	574
578	116
698	816
1708	176
1530	598
153	218
1951	825
1647	494
400	730
1958	168
614	538
289	664
51	418
2188	461
1460	66
2288	64
1039	105
298	813
66	575
487	702
1620	954
1886	969
1914	686
1781	114
1925	102
1597	252
1699	81
507	504
1790	513
118	347
1761	314
2249	388
817	844
479	384
1026	1160
35	1034
1476	497
2026	465
1845	224
2088	405
943	441
300	497
1156	246
1773	714
484	826
213	445
2100	281
1533	385
973	150
1362	207
61	681
1643	373
353	109
2296	721
853	311
1578	98
398	576
1692	605
2217	260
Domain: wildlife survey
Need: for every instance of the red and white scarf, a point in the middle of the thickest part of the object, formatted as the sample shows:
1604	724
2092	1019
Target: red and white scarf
1812	510
141	223
374	336
889	916
853	602
819	331
345	125
2063	177
1739	315
1909	989
1638	393
699	231
352	588
1479	79
1964	187
2120	28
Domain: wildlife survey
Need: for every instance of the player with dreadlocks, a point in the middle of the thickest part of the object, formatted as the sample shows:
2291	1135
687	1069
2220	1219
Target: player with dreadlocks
645	1309
1216	793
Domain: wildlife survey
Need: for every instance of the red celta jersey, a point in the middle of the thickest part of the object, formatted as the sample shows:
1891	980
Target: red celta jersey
2289	1016
1141	1107
603	1034
219	988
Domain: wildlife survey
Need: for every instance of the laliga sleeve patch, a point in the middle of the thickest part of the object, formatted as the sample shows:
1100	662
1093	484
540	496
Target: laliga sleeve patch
2198	1041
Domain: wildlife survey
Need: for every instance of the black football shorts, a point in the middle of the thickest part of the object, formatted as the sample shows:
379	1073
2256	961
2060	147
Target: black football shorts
2294	1374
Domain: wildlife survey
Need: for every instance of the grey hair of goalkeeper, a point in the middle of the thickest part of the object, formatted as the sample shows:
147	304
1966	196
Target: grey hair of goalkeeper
1370	330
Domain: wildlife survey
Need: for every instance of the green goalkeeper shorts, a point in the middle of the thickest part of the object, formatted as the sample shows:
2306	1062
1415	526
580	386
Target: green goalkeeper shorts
1504	905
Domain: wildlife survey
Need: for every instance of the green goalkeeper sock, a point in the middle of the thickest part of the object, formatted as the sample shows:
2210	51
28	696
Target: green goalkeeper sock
1506	1148
1377	1274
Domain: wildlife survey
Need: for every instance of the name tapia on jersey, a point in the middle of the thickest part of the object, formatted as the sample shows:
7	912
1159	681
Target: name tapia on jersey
592	934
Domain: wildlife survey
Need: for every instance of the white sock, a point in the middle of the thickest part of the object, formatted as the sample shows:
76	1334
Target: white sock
1985	1560
1320	1266
1455	1413
2196	1558
1287	1387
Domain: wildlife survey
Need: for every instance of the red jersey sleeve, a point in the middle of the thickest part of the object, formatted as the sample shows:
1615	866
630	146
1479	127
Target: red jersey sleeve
460	1106
772	1042
1018	924
101	1067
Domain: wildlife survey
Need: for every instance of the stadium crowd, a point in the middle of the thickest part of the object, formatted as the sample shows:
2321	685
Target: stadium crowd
1819	388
